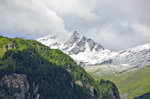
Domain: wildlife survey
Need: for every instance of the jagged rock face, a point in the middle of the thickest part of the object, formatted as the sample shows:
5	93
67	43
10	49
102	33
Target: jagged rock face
16	86
81	44
87	52
75	44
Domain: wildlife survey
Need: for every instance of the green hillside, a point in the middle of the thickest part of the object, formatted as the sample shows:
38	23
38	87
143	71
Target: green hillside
55	73
134	83
130	84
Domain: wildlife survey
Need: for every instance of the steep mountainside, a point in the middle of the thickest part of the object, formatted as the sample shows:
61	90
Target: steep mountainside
30	70
87	52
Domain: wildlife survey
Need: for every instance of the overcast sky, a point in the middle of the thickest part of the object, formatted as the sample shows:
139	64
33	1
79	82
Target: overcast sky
116	24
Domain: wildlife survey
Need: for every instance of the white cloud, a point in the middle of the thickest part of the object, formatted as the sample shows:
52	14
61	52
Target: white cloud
121	36
110	38
73	7
123	23
30	17
142	31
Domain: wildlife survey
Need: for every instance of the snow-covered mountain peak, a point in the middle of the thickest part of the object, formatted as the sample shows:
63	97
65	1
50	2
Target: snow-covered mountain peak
74	44
76	34
87	52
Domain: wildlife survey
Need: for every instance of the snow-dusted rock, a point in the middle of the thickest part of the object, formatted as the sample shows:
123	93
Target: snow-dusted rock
87	52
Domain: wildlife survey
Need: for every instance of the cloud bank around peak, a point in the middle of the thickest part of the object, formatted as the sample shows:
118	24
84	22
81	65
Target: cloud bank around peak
116	24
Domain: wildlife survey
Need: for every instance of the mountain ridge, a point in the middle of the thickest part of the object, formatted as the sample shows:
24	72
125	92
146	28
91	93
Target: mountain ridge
87	52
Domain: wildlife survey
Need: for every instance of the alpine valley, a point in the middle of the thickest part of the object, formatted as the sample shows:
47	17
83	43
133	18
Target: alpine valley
106	64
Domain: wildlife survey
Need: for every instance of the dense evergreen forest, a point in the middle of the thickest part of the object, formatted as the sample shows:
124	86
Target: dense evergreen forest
56	74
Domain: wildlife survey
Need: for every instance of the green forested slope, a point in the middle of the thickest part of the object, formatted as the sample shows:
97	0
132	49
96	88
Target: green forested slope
56	74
